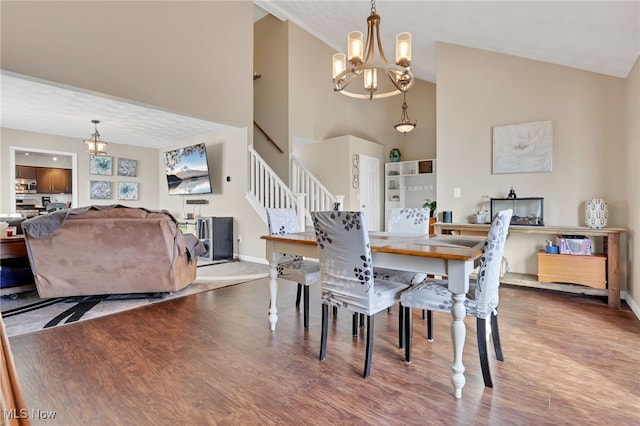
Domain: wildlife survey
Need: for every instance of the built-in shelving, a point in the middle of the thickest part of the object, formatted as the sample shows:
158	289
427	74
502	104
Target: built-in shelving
409	183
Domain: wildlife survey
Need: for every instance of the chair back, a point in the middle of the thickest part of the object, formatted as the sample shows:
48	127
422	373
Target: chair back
283	221
51	207
346	272
408	221
488	282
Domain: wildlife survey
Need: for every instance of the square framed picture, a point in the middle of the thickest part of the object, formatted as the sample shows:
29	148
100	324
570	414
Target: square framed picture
127	190
127	167
100	190
100	165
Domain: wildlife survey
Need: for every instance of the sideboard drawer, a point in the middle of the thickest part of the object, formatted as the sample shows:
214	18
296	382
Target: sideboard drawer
566	268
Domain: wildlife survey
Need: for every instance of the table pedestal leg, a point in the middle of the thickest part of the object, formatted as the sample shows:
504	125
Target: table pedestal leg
273	290
458	335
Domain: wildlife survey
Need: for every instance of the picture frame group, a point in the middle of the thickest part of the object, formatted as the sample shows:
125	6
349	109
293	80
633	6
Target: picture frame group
101	189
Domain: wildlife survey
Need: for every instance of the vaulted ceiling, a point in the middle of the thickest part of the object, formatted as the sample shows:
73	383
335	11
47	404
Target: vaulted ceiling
602	37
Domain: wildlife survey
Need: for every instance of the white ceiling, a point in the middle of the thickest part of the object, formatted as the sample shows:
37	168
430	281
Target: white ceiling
598	36
602	37
41	107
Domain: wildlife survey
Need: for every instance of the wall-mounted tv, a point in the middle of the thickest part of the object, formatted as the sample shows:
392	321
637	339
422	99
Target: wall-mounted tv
187	170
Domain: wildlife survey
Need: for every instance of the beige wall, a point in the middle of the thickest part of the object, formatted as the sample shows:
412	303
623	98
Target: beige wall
477	90
191	58
316	112
176	55
271	93
226	152
146	172
331	161
632	151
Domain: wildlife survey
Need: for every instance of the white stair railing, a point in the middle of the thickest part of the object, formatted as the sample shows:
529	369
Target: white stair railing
266	189
318	197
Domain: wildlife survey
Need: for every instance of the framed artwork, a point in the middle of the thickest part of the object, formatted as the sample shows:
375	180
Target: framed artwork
100	165
127	167
100	190
127	190
523	148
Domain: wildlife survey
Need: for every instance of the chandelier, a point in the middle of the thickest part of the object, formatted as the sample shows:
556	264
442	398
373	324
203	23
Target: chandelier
95	146
361	60
405	125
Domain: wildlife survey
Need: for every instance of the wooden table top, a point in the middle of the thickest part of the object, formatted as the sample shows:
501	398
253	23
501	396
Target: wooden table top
441	246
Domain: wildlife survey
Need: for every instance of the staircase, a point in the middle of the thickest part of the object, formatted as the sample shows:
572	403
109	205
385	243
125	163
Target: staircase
306	193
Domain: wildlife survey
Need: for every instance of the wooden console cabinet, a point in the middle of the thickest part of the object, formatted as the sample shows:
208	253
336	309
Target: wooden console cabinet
561	267
567	268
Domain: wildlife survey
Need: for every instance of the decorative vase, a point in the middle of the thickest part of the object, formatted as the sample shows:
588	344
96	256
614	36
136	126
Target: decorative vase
394	155
596	213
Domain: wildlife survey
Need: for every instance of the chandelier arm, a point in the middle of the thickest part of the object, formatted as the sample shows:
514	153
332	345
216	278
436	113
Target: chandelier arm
342	80
396	82
383	58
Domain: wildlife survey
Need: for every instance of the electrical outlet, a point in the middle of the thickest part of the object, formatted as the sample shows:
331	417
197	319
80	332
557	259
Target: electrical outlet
456	192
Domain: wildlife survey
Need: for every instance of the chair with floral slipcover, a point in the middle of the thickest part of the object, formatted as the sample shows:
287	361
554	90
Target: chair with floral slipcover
481	301
405	221
293	268
346	274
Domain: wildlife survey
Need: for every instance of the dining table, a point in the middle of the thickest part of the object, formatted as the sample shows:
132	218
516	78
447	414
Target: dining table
445	255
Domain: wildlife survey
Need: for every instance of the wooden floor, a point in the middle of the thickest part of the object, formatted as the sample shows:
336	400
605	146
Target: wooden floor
211	359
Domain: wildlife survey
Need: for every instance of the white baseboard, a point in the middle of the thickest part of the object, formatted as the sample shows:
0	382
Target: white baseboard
261	260
632	304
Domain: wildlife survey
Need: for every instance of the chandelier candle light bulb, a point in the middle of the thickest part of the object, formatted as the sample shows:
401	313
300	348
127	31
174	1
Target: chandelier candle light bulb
355	47
339	63
403	49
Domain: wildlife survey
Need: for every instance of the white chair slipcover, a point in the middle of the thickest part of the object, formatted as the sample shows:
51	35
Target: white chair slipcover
346	273
293	268
481	302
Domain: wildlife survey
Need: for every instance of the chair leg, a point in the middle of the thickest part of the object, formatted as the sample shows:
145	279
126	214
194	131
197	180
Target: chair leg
335	311
354	324
323	333
298	294
481	329
400	327
430	326
369	353
423	315
495	334
389	310
361	320
306	306
407	334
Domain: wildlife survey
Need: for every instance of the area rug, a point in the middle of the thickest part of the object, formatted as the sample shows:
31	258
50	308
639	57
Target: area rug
29	313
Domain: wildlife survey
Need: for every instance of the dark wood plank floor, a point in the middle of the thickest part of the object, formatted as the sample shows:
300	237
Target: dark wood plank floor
211	359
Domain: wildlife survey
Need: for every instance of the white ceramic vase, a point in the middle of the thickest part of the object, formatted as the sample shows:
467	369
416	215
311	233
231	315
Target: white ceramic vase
596	213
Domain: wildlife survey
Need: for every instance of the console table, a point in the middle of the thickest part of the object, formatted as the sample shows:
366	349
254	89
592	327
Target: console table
611	247
14	248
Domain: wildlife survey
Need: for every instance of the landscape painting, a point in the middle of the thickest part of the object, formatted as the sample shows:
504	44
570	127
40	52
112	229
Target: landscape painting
187	170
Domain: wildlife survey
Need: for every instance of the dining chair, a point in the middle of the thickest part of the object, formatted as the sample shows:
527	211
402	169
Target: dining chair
293	268
405	221
346	275
51	207
481	301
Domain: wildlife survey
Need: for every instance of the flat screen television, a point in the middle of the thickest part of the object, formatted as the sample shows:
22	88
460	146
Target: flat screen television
187	170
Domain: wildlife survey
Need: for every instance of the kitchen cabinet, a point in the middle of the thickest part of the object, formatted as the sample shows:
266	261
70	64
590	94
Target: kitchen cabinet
25	172
53	180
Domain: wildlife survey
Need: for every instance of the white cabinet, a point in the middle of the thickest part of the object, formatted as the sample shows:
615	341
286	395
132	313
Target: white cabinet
409	183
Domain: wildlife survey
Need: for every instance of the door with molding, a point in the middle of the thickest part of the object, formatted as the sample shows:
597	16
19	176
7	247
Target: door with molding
369	190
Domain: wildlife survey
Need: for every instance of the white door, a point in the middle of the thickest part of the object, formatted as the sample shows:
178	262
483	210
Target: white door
369	191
